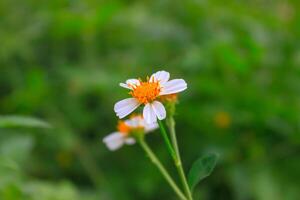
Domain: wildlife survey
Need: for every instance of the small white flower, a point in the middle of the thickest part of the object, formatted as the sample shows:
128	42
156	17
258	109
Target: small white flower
147	93
117	139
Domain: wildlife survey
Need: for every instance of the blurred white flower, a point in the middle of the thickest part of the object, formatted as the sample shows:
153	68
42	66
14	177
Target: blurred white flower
147	93
117	139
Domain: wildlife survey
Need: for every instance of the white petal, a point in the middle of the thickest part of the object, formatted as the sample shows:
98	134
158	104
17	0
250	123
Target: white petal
114	141
133	82
130	83
125	107
150	127
149	114
130	141
135	122
112	136
124	85
173	86
159	110
161	76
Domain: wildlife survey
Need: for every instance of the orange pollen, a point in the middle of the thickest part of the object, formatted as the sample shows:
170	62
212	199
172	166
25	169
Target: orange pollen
123	128
146	92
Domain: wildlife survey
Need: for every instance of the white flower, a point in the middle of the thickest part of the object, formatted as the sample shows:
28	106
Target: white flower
117	139
147	93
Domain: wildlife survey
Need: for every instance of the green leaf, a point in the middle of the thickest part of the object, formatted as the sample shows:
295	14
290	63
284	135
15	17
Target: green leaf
201	168
7	163
22	121
17	148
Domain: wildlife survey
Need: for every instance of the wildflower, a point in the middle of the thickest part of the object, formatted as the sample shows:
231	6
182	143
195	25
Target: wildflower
148	93
126	129
222	120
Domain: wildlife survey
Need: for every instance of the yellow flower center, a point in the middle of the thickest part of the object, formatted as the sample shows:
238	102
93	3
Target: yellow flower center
126	130
146	92
222	119
123	128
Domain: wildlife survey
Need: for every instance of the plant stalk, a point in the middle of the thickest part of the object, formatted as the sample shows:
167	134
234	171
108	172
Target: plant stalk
167	140
161	168
178	162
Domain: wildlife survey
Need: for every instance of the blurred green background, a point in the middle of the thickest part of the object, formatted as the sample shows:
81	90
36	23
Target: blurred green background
61	62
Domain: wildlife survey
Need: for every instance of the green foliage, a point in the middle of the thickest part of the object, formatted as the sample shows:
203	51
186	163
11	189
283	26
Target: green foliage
201	168
22	121
50	191
61	62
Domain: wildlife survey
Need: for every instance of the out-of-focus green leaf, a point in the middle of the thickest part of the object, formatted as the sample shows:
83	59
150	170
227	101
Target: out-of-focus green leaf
40	190
22	121
265	187
7	163
201	168
17	148
11	191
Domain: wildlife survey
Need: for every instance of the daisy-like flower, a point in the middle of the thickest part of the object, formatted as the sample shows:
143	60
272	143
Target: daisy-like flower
148	93
125	128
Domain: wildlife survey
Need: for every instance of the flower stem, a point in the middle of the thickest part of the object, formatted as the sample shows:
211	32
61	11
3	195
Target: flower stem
166	139
161	168
178	163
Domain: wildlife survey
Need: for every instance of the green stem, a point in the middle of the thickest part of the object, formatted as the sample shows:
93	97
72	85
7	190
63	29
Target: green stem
166	139
161	168
178	163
